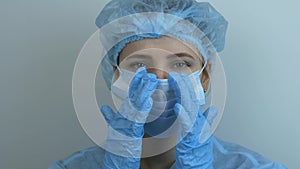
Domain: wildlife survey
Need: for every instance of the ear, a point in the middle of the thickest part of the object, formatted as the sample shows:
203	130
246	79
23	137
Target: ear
205	76
114	68
117	73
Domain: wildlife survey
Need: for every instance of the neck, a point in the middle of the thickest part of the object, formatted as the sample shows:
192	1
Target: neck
158	153
161	161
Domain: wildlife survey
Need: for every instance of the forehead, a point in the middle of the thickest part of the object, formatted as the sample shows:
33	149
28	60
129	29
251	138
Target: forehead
165	43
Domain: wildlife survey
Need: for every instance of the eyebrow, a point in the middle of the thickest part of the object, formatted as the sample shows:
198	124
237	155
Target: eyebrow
181	54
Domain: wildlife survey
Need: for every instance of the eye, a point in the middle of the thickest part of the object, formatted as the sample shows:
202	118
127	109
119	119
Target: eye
181	65
138	65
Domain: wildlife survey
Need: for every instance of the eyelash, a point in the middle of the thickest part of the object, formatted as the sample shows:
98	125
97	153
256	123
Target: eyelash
184	62
140	64
136	65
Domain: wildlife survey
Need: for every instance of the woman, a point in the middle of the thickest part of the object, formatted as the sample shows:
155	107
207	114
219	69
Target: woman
159	57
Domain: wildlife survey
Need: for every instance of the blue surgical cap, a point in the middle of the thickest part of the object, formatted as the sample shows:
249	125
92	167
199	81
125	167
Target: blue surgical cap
125	21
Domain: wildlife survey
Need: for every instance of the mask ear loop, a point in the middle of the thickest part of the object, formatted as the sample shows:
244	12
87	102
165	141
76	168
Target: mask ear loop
118	68
206	92
120	71
202	95
203	67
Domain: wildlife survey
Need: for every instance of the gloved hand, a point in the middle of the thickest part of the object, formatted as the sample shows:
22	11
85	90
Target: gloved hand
194	149
126	128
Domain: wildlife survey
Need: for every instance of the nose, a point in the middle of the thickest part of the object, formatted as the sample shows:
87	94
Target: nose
158	72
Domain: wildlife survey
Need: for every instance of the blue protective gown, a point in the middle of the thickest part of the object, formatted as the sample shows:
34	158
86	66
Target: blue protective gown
226	156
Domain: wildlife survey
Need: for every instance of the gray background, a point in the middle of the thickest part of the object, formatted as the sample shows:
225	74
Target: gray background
39	43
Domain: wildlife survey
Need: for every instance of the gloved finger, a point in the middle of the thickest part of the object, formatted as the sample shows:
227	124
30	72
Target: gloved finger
184	119
141	78
108	113
140	73
184	90
148	86
140	96
188	90
153	82
135	85
173	82
210	114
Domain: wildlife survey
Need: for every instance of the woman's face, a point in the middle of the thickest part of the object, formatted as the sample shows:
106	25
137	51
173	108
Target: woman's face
161	56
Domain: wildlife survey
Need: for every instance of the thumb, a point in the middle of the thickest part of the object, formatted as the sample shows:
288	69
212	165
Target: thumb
183	117
108	113
210	114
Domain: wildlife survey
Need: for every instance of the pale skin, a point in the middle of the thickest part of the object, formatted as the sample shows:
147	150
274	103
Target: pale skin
161	56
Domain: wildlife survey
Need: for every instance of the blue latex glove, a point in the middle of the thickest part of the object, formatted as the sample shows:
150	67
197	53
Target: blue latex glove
191	152
126	128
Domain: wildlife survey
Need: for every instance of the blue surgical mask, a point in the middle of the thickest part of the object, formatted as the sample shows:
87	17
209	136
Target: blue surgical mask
160	127
162	115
